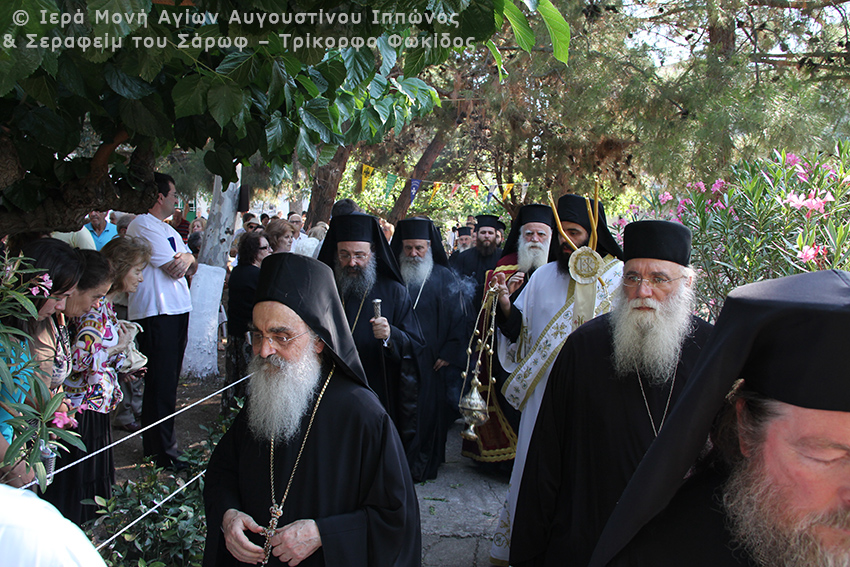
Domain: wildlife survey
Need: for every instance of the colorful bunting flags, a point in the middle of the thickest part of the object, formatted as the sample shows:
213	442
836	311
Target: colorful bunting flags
414	188
508	187
475	188
391	179
455	187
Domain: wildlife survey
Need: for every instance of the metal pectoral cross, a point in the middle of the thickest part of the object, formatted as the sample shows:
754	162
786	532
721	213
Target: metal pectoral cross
276	512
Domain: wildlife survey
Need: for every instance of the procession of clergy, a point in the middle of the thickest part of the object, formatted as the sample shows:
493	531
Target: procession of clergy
638	433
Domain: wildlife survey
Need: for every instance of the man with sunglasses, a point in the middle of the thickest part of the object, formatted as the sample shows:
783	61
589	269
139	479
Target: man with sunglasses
608	395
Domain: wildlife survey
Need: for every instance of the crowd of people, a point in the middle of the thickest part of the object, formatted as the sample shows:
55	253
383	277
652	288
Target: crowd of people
633	432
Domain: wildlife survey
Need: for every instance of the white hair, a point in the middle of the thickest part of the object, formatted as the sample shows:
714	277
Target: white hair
416	269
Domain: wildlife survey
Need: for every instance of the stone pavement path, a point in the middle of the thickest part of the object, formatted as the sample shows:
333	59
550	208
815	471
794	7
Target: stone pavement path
459	510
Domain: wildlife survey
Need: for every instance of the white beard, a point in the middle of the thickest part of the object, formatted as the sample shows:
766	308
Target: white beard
532	255
355	281
415	271
650	342
281	394
462	247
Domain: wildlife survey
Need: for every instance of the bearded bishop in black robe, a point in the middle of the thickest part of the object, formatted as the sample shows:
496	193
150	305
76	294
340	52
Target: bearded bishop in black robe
437	302
351	477
595	423
392	366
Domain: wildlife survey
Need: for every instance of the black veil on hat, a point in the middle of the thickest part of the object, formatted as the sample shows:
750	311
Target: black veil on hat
527	214
658	239
573	208
751	340
360	227
419	229
308	287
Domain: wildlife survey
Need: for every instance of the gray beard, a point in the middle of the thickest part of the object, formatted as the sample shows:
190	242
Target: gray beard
461	247
356	281
650	343
416	271
281	394
759	520
532	255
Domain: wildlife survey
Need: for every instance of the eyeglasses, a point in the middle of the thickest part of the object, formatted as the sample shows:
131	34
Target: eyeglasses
655	282
275	341
359	256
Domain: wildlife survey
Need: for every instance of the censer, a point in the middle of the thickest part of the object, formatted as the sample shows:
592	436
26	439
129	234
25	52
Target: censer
472	406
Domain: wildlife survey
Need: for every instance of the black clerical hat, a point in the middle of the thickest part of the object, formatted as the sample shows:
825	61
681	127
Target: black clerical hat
658	239
307	286
787	338
531	213
464	231
491	221
359	227
573	208
419	229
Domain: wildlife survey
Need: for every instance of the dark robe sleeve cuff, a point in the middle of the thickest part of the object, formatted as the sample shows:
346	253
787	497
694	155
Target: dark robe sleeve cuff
510	326
344	538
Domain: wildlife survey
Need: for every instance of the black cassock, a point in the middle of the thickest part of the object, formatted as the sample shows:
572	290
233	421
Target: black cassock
352	480
591	433
691	532
393	370
438	310
471	264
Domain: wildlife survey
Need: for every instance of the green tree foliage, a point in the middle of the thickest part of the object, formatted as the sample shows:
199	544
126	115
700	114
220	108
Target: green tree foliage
243	76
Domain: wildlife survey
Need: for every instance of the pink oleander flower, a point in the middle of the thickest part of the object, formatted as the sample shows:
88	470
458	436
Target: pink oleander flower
634	209
791	160
802	172
810	253
831	173
665	197
719	206
794	200
828	198
621	223
61	420
46	282
718	186
682	206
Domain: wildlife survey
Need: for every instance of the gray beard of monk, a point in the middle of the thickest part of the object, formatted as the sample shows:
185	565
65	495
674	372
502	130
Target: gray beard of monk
416	270
532	255
764	525
650	342
281	394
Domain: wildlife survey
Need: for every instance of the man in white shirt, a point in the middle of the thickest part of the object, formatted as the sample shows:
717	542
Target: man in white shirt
161	305
35	534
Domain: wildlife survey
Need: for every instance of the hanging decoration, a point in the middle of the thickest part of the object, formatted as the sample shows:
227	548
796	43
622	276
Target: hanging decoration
391	179
366	174
437	185
414	188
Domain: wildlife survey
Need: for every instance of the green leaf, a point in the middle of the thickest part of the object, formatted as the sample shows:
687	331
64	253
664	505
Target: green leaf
497	57
240	66
144	120
190	95
326	155
314	113
126	22
125	85
476	21
42	89
69	437
559	30
280	132
389	56
305	149
220	162
309	85
522	31
49	128
360	65
226	101
280	78
70	77
25	302
17	444
384	107
334	73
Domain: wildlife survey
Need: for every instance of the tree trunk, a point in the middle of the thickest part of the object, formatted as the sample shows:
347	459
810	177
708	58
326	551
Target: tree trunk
423	167
326	186
201	358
